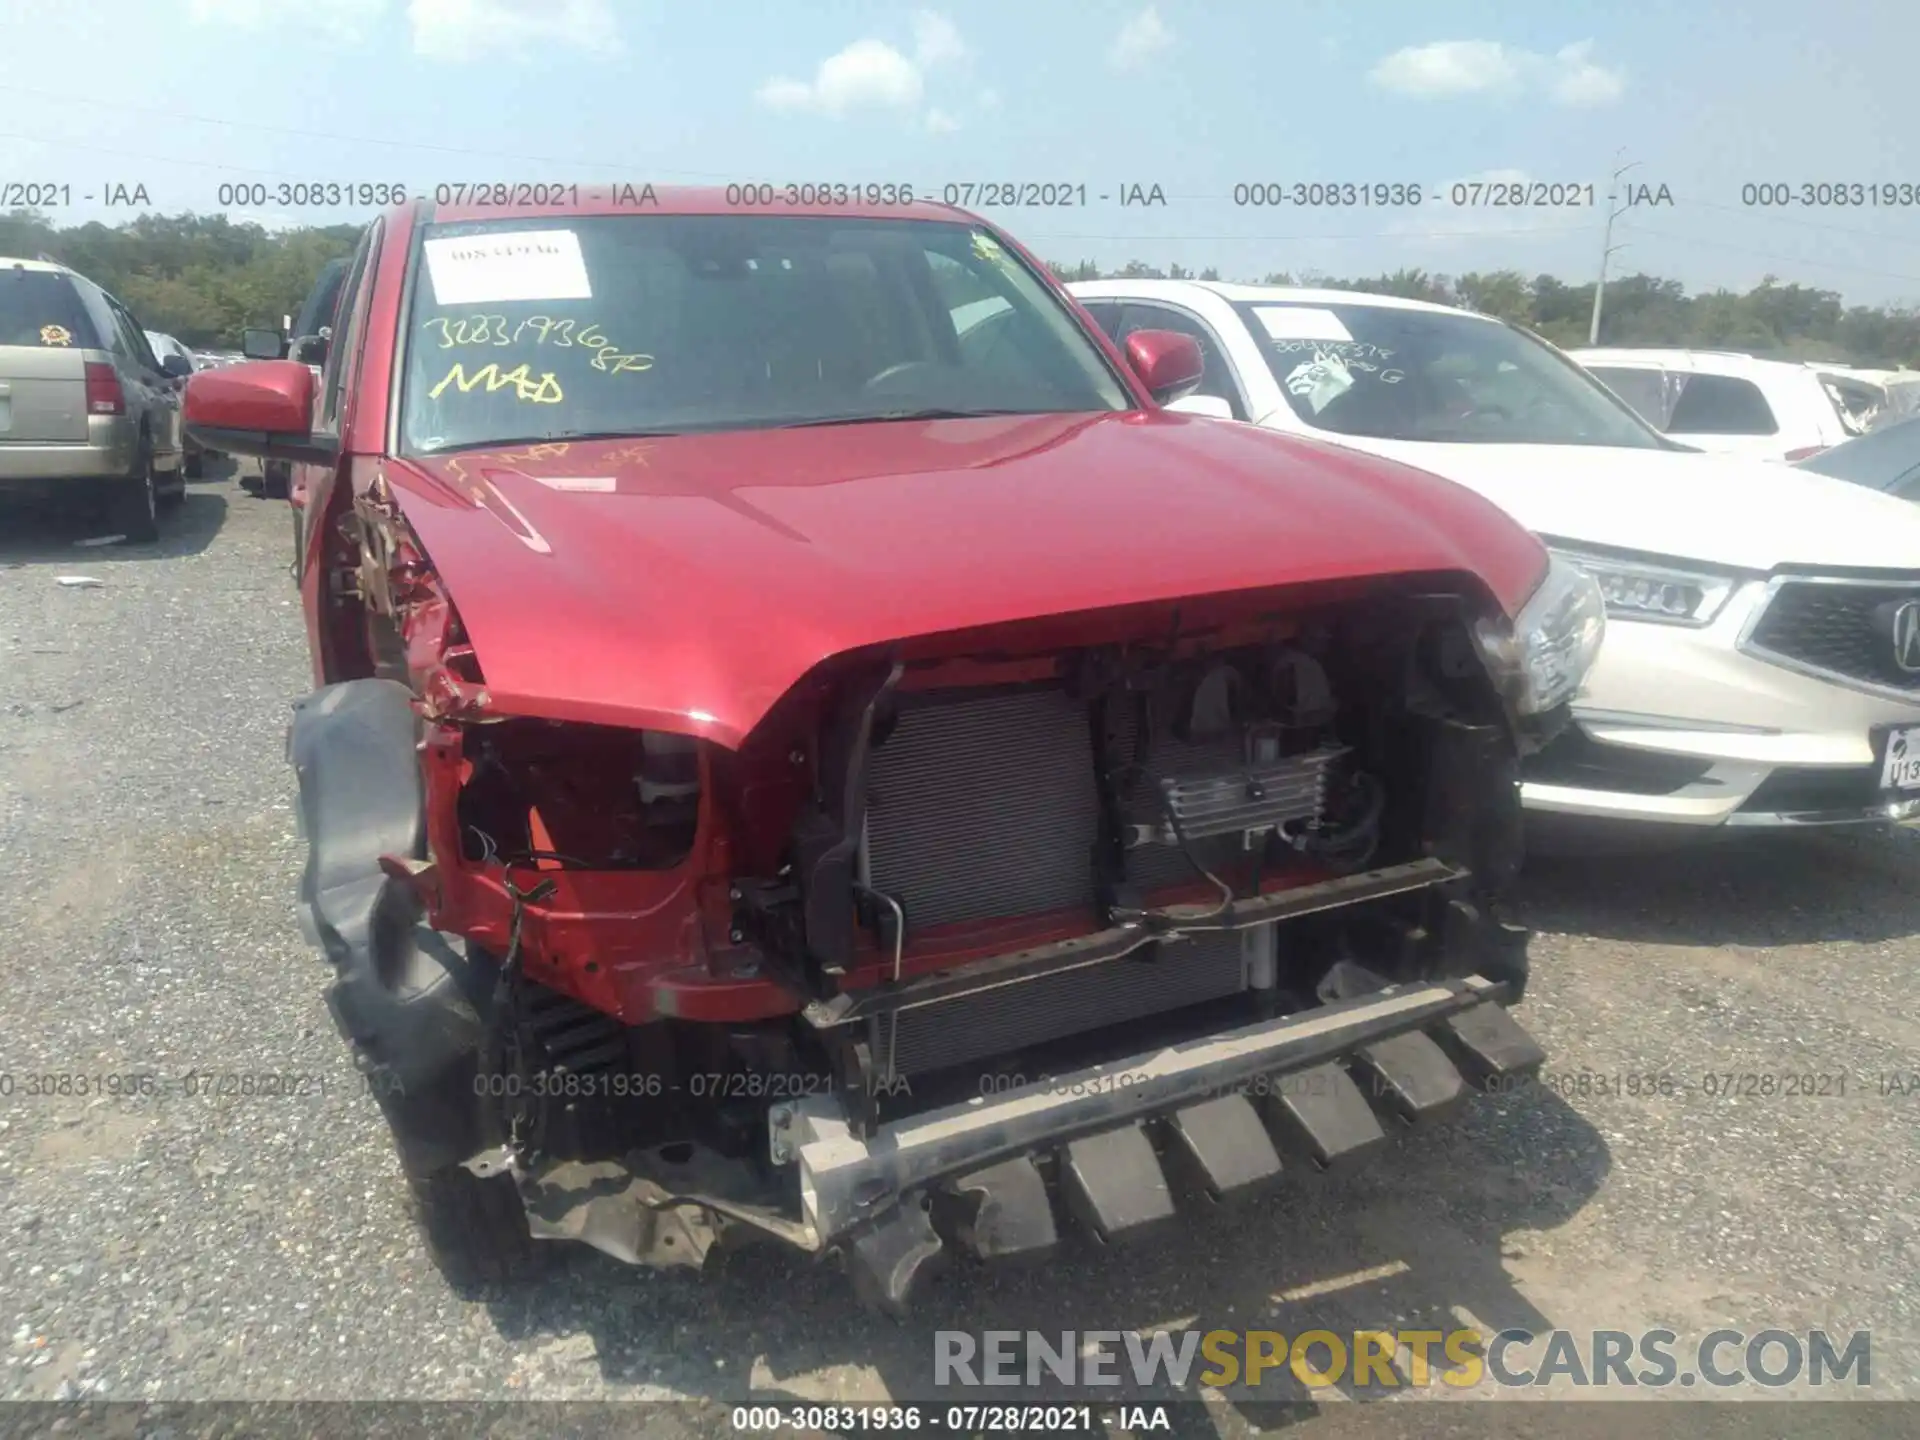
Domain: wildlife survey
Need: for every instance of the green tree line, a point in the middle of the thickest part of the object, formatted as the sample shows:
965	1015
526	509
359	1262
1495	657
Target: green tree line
200	278
205	278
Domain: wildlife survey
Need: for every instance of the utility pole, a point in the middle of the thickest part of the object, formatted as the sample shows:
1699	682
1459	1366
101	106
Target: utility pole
1607	247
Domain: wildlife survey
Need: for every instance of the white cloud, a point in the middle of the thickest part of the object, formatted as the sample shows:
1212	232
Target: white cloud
1449	68
867	74
468	29
941	123
344	19
1139	40
1581	82
936	40
871	74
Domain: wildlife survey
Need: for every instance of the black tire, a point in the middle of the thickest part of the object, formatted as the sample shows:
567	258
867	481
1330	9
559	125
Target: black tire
133	501
476	1229
193	465
276	479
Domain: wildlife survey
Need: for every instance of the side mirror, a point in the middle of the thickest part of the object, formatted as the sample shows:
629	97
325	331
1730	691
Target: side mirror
176	367
263	344
1214	407
311	349
262	408
1168	363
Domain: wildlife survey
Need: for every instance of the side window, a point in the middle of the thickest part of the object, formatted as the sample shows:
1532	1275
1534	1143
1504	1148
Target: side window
107	324
1218	378
346	339
1721	405
1648	391
136	338
1105	313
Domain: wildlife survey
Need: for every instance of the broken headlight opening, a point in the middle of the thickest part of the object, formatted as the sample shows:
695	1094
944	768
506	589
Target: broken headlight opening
1639	590
1539	659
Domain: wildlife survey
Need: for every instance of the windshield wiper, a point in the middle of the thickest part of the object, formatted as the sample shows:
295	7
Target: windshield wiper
932	412
564	436
611	434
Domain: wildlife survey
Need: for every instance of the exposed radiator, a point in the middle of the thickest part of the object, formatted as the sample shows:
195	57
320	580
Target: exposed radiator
985	807
988	806
1158	978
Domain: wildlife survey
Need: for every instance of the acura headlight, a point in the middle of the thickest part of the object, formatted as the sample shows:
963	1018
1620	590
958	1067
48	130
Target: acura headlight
1540	658
1637	591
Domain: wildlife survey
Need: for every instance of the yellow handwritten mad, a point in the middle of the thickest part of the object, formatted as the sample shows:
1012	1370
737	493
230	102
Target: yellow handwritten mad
544	391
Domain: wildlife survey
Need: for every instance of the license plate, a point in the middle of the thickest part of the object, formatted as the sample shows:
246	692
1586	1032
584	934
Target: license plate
1901	769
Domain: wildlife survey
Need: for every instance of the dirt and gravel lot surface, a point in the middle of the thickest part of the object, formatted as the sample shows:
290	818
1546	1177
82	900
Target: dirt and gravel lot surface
176	1247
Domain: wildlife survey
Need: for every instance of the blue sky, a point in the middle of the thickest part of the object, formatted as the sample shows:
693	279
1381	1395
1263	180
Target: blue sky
1195	96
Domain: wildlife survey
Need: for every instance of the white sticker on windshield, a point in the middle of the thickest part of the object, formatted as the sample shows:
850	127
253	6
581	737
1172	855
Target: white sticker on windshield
519	265
1301	322
1322	380
579	484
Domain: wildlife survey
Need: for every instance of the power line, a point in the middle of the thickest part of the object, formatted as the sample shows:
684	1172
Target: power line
1762	213
345	139
1132	239
1783	259
1750	212
136	155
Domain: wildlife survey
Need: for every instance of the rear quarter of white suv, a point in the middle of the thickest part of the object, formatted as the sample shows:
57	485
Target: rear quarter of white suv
1725	402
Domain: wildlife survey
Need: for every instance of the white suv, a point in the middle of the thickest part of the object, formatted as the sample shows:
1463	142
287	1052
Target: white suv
1728	403
1762	658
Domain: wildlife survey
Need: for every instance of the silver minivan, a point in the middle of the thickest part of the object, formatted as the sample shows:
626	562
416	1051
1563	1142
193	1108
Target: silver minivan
89	415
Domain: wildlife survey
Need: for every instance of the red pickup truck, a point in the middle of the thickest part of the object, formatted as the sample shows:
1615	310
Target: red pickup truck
804	754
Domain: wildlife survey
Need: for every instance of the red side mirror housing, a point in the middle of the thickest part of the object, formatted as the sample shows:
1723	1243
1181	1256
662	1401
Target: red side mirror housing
262	408
1168	363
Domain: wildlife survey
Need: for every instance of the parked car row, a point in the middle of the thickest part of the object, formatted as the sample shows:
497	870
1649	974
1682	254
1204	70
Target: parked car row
90	400
818	651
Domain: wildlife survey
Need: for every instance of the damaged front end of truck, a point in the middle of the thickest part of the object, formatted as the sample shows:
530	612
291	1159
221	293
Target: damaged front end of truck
1087	919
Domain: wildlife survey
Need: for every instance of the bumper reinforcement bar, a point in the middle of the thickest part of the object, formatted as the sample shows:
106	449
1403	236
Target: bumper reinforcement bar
1217	1106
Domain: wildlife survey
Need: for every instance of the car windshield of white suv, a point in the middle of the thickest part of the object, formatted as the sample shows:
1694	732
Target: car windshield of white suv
668	324
1393	374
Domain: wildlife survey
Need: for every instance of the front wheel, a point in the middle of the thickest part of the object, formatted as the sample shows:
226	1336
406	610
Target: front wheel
475	1228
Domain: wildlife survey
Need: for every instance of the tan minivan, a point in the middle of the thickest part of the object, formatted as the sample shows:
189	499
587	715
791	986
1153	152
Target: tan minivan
89	415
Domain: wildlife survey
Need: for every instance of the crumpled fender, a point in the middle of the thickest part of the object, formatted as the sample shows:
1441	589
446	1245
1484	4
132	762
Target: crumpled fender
409	998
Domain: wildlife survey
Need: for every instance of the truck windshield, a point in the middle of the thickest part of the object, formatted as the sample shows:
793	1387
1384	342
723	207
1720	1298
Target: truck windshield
1392	374
655	324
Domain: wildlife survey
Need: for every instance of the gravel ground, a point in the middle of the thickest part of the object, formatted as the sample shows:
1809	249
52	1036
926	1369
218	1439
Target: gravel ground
181	1248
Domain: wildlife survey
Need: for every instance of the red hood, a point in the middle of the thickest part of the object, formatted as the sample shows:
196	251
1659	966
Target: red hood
687	583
